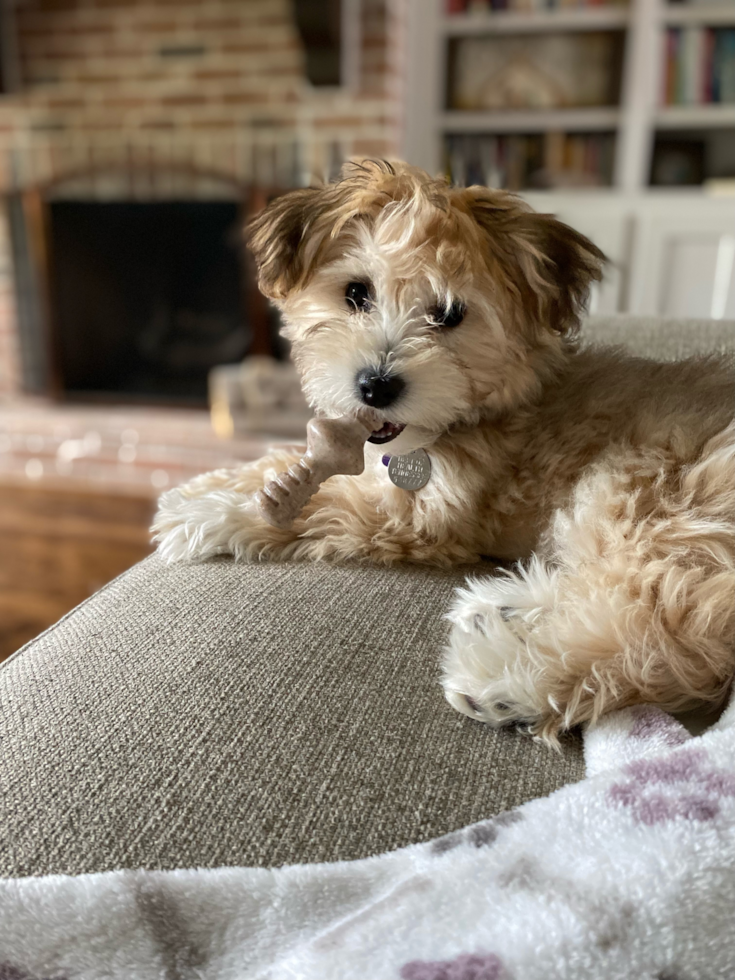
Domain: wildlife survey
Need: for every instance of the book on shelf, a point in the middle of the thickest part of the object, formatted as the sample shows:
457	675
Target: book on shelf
525	6
699	66
532	161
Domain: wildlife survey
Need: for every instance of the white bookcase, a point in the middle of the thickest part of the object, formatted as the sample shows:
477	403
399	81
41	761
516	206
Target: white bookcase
672	250
634	121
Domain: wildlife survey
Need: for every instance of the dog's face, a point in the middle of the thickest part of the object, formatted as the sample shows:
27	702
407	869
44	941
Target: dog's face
431	305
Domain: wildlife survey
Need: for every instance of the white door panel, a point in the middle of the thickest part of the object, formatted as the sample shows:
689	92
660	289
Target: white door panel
698	277
683	258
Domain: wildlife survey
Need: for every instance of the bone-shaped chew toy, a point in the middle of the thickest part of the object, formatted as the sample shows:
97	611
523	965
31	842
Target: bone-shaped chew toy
333	446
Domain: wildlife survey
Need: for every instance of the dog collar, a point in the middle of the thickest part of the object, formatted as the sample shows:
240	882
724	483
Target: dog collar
410	471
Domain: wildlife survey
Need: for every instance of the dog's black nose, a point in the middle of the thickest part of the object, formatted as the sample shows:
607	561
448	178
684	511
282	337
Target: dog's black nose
379	390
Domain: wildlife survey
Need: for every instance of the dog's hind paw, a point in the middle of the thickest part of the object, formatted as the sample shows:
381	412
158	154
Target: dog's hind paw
489	673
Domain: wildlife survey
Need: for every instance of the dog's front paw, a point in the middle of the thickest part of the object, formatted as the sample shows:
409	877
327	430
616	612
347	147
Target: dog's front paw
491	667
198	527
216	513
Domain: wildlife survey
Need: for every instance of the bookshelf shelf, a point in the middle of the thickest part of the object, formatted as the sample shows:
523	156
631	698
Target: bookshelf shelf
695	117
583	19
709	14
541	120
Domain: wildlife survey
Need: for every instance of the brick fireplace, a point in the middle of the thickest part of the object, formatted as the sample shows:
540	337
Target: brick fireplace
167	104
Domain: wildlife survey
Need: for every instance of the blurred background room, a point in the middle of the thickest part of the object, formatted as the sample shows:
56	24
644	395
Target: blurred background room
136	136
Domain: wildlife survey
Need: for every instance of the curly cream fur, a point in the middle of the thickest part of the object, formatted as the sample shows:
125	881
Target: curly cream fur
609	477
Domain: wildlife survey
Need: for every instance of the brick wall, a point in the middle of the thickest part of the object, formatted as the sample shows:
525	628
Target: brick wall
217	85
197	76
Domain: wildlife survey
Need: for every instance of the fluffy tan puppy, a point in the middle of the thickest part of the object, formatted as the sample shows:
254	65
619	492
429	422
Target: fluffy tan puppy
611	479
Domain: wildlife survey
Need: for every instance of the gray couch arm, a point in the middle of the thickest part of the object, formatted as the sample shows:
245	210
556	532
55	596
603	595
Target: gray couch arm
661	339
223	714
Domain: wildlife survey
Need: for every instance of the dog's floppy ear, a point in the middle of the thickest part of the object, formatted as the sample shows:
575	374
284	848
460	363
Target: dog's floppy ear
277	238
289	237
548	265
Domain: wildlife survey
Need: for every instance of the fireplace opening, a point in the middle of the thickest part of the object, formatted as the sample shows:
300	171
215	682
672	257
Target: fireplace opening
146	297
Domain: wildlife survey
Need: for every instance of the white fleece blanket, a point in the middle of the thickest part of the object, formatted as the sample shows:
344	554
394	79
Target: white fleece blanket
629	875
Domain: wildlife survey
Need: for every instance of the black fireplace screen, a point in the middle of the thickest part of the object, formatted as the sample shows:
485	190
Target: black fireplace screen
146	297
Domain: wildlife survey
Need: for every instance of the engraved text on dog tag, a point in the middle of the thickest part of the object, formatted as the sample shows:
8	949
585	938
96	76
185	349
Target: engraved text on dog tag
410	472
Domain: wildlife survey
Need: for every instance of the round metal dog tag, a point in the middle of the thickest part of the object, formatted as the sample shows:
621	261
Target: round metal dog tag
410	472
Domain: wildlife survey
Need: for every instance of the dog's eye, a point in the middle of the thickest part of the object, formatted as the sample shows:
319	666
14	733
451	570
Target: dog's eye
357	295
450	316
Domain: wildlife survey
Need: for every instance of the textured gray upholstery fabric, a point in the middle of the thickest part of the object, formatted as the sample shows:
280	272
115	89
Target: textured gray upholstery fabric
218	714
650	336
247	714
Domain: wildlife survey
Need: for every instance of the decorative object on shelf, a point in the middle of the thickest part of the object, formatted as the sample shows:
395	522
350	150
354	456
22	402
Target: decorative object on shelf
678	162
521	84
536	71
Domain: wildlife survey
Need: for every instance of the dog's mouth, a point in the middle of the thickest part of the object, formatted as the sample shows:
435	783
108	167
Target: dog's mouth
386	433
